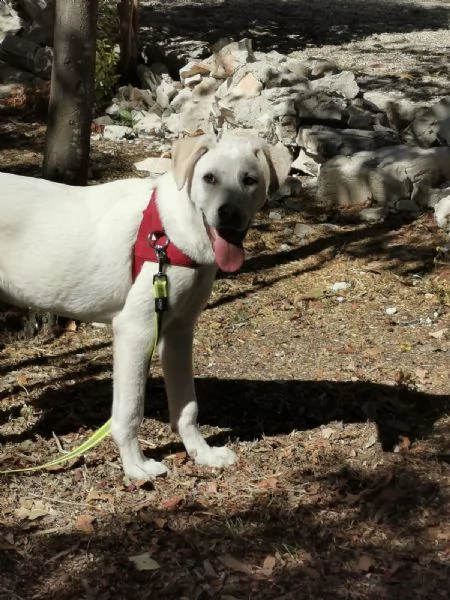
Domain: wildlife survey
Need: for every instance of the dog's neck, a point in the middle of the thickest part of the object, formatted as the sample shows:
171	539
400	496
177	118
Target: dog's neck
182	223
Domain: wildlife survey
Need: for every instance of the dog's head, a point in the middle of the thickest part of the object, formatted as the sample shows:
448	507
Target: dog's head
228	181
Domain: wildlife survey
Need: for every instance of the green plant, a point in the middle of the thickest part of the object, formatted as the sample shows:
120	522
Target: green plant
106	73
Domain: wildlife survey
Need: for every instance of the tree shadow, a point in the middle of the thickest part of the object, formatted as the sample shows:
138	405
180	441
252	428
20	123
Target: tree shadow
250	409
283	26
317	527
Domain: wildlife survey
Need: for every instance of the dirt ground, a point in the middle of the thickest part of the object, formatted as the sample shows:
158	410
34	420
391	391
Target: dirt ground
337	407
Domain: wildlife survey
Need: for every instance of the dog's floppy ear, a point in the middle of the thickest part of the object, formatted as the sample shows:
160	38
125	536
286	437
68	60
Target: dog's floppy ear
185	154
276	162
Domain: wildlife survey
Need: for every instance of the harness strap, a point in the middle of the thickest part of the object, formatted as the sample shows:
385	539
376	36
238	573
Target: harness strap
150	235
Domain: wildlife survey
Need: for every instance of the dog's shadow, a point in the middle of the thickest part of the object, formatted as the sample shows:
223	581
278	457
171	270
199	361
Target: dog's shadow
248	409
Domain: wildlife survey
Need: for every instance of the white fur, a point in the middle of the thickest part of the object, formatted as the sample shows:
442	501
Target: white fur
69	249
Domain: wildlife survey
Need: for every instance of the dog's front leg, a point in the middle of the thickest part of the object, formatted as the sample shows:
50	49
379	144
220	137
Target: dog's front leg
176	357
132	347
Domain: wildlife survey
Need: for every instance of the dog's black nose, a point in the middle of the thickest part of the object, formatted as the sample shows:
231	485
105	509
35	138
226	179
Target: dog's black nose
230	216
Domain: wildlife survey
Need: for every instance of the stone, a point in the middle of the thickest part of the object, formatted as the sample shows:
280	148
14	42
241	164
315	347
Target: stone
383	177
248	87
303	230
431	125
183	96
151	77
155	164
291	187
232	56
207	87
117	132
306	164
147	123
195	68
10	22
317	107
312	67
286	129
326	142
399	109
343	83
166	92
192	81
373	214
103	120
113	109
442	213
247	111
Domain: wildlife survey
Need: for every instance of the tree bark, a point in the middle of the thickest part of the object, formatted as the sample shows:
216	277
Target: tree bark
67	145
128	11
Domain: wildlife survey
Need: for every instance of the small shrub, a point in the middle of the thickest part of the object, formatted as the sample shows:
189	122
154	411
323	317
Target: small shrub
107	59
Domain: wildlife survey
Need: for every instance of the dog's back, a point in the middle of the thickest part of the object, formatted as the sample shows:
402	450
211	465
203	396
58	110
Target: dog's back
67	248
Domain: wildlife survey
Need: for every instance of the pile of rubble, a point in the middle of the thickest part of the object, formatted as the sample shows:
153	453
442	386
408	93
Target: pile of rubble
378	152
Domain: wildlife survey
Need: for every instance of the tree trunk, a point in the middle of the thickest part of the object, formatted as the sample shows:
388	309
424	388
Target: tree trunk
128	11
67	144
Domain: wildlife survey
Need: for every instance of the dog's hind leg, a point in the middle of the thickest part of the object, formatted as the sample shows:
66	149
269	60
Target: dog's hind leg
132	343
176	357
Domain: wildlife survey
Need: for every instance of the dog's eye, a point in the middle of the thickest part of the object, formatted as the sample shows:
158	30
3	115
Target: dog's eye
249	180
209	178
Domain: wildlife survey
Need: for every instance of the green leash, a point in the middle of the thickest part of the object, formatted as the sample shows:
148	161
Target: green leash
160	293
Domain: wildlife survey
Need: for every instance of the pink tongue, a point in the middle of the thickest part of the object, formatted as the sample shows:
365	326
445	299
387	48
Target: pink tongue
229	256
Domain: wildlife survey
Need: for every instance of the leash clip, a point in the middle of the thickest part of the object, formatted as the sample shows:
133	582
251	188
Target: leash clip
160	283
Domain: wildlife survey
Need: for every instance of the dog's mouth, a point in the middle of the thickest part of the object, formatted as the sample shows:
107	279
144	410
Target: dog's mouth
227	246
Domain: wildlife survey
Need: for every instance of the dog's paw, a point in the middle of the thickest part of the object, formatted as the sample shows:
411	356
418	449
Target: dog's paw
147	469
216	457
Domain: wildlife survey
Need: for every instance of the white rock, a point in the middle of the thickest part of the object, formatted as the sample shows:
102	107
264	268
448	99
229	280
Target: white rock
166	92
306	164
442	213
373	214
303	230
113	110
117	132
340	285
391	310
275	215
147	123
191	82
194	68
343	83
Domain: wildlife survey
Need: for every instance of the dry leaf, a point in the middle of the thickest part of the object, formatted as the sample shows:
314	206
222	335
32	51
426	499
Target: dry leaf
235	565
269	563
32	510
268	484
95	495
327	432
171	503
438	334
159	522
144	562
211	487
84	524
365	563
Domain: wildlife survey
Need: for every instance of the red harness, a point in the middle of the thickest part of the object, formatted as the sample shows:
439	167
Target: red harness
151	234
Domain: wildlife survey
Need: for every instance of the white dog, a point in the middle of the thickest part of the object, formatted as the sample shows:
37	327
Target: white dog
69	250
